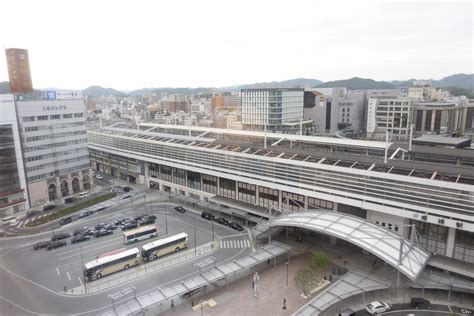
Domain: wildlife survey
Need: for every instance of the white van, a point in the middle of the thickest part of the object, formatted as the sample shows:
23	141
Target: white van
83	195
8	219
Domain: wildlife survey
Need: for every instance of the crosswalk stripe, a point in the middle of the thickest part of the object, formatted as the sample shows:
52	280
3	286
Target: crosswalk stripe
27	221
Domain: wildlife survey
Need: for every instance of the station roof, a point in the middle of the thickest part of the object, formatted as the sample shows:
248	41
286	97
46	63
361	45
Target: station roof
400	253
437	140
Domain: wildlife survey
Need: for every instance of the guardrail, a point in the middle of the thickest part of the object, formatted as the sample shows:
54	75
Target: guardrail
145	269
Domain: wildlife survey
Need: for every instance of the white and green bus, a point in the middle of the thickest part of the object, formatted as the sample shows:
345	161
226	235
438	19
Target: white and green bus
164	246
140	233
106	265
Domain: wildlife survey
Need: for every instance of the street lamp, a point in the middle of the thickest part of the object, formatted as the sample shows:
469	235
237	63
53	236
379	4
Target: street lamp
194	226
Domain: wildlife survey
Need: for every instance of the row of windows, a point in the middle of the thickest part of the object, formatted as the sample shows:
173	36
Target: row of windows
53	126
51	117
168	244
114	262
59	172
55	145
381	188
56	154
57	163
54	136
143	233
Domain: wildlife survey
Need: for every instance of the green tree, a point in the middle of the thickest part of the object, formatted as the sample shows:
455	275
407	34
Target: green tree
305	279
318	261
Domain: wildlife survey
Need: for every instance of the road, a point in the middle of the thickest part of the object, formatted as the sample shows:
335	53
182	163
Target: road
33	281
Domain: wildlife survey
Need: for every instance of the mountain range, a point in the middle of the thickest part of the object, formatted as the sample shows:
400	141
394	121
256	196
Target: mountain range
458	83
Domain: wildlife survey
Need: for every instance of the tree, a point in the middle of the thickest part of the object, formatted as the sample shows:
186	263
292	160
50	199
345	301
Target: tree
318	261
305	279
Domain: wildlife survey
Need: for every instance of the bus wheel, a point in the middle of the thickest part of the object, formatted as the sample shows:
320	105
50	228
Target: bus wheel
177	249
151	236
99	275
127	266
154	257
136	240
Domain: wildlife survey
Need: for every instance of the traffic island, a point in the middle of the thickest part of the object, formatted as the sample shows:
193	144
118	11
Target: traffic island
70	210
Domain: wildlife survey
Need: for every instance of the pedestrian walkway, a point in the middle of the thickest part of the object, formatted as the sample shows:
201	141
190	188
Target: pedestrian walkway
235	243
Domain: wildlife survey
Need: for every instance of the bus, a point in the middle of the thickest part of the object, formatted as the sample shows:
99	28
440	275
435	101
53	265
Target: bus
140	233
106	265
164	246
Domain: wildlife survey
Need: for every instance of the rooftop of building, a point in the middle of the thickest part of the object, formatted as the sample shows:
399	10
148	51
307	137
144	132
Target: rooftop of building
452	165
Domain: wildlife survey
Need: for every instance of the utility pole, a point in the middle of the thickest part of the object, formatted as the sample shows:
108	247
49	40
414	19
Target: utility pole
195	243
83	278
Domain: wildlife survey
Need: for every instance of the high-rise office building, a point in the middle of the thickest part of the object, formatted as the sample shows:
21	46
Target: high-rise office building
19	70
271	107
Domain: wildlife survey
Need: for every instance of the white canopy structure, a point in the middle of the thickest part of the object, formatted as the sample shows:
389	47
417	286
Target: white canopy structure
397	251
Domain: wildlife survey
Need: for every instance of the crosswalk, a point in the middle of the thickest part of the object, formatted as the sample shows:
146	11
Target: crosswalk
235	243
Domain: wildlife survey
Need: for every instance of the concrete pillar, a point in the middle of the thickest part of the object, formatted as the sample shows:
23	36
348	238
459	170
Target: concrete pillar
450	242
280	198
256	195
333	240
305	198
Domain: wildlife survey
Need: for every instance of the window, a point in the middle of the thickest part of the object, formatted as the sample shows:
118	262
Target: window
29	119
55	117
43	118
67	116
78	114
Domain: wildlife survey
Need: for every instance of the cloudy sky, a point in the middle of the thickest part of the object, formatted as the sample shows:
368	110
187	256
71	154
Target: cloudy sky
134	44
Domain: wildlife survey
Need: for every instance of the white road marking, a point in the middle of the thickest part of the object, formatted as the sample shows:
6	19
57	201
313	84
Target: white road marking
57	270
69	277
27	221
80	281
450	309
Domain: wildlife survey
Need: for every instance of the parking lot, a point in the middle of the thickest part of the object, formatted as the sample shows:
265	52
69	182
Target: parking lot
62	267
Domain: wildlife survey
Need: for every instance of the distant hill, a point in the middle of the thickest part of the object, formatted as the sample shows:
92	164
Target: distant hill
357	84
98	90
292	83
457	80
200	90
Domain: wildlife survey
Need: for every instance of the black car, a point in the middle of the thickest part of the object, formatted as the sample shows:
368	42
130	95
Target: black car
85	214
207	216
80	238
69	200
139	217
79	231
101	209
41	244
60	236
222	220
236	226
56	244
420	303
49	208
180	209
126	196
127	189
146	220
65	220
129	225
103	232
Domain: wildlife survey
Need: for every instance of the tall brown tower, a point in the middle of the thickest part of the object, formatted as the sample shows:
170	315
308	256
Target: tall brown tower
19	70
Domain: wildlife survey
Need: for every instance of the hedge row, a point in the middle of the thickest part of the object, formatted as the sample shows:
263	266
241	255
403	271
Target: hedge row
67	211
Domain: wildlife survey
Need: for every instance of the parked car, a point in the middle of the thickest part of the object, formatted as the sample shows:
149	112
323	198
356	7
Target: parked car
420	303
120	221
79	231
85	214
99	177
126	196
180	209
110	227
102	232
69	200
41	244
65	220
146	220
127	189
100	209
100	226
129	225
60	236
88	232
207	216
222	220
139	217
236	226
49	208
80	238
378	307
56	244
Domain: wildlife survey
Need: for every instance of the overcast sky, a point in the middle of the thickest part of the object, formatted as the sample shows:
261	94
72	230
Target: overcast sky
134	44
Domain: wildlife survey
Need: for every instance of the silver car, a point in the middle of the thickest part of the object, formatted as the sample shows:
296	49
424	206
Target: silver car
378	307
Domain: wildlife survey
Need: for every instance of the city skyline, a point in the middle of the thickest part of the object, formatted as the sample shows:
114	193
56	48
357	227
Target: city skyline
147	46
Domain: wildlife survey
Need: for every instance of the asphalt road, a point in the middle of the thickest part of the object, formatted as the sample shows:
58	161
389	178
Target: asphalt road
32	282
405	309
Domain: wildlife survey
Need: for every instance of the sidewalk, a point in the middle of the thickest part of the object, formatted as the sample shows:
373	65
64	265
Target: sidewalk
238	297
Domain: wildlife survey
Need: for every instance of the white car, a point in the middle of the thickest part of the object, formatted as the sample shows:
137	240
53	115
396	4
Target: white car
378	307
99	177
